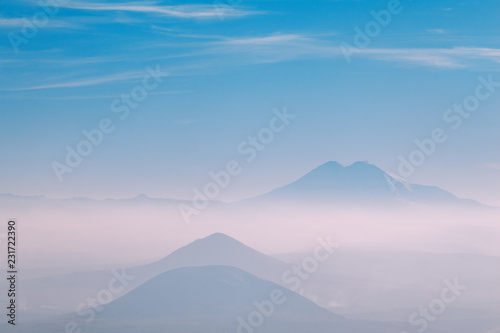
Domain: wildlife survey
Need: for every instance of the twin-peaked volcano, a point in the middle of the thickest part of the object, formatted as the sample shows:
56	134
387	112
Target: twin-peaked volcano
358	183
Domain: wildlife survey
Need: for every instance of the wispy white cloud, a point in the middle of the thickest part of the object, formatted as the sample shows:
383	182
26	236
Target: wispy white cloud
274	48
266	40
420	57
221	51
85	81
458	57
280	47
11	22
188	11
7	23
108	96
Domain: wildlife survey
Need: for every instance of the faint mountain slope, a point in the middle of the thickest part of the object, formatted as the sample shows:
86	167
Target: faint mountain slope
220	249
11	201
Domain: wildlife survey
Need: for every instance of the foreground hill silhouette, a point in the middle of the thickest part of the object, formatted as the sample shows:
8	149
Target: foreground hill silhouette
216	249
212	299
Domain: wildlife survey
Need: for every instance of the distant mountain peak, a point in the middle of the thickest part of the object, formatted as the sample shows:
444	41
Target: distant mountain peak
218	242
221	249
331	164
219	239
334	167
361	183
363	164
218	236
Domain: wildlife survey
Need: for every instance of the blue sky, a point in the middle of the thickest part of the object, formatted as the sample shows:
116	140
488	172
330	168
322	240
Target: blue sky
223	76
